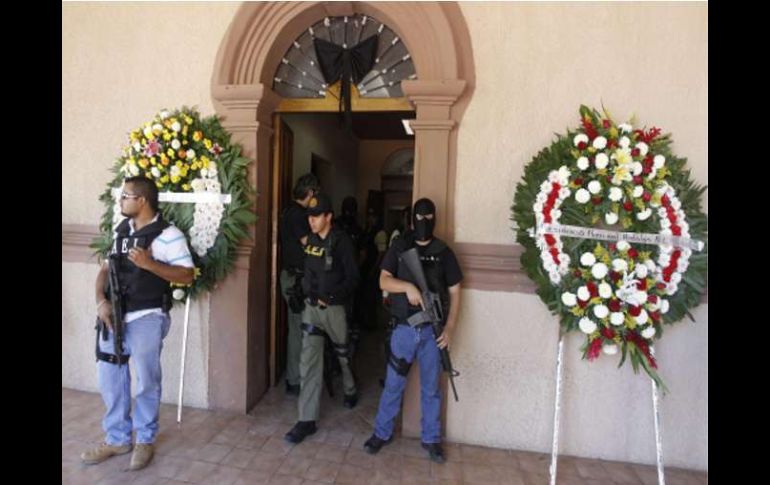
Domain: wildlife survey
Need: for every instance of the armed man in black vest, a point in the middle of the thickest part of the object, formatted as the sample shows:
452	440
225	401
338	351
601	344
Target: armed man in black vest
413	336
330	278
148	253
294	231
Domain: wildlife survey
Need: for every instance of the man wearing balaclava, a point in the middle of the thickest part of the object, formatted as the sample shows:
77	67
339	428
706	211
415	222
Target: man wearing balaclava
417	341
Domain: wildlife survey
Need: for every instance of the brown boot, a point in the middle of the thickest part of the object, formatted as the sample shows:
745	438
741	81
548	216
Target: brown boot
103	452
142	455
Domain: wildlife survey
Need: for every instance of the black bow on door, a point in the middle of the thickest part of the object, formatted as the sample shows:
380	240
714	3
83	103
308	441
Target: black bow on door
337	63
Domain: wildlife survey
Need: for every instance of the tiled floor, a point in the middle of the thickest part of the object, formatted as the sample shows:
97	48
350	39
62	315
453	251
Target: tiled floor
225	448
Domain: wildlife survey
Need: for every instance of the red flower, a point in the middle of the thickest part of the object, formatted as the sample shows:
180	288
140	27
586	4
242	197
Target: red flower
638	180
665	201
652	299
646	196
577	273
614	276
635	152
655	316
646	170
633	253
611	143
676	230
582	145
578	181
661	286
613	247
554	252
608	333
606	123
614	305
589	129
550	240
642	285
556	188
596	200
649	136
594	348
593	289
635	311
628	206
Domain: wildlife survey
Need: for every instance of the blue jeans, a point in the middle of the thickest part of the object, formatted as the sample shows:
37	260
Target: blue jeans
143	340
408	343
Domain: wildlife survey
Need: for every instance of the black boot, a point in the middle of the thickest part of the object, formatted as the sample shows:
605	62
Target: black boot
300	431
435	451
350	400
292	389
373	444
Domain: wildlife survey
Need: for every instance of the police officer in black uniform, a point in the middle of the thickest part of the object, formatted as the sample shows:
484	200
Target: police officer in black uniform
329	281
417	341
294	231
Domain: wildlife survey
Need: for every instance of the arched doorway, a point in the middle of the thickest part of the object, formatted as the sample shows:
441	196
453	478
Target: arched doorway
439	43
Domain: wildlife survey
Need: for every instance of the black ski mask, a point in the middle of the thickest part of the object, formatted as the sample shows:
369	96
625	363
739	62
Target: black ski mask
423	229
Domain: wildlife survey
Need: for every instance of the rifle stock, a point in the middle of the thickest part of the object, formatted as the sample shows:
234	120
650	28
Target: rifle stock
117	308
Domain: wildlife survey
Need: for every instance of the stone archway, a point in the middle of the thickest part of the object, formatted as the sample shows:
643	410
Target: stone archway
437	38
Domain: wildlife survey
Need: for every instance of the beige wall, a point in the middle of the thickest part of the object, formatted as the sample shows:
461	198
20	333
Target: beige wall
121	64
371	156
327	140
535	64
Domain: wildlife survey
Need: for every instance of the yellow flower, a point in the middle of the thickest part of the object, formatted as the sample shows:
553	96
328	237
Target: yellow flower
134	136
158	184
170	152
205	163
175	179
197	135
164	160
179	163
164	179
143	163
152	160
167	136
148	175
188	120
207	143
184	171
185	186
182	154
184	131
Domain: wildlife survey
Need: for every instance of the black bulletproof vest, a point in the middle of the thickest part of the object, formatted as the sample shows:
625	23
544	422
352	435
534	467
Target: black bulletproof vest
292	256
139	288
432	266
323	264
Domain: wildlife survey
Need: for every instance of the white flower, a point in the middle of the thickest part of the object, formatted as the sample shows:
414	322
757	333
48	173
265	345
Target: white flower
648	332
582	163
155	172
147	131
190	154
619	265
582	196
213	174
610	349
664	306
601	311
650	265
625	128
615	194
175	144
137	147
676	204
133	169
563	192
599	270
538	207
555	213
644	215
582	137
641	271
676	278
555	277
212	165
594	186
659	161
600	142
546	186
623	246
652	174
198	185
163	114
643	148
588	259
624	142
175	171
568	299
638	191
637	168
617	318
157	127
176	126
583	293
204	172
605	290
641	319
611	218
178	294
601	160
587	325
